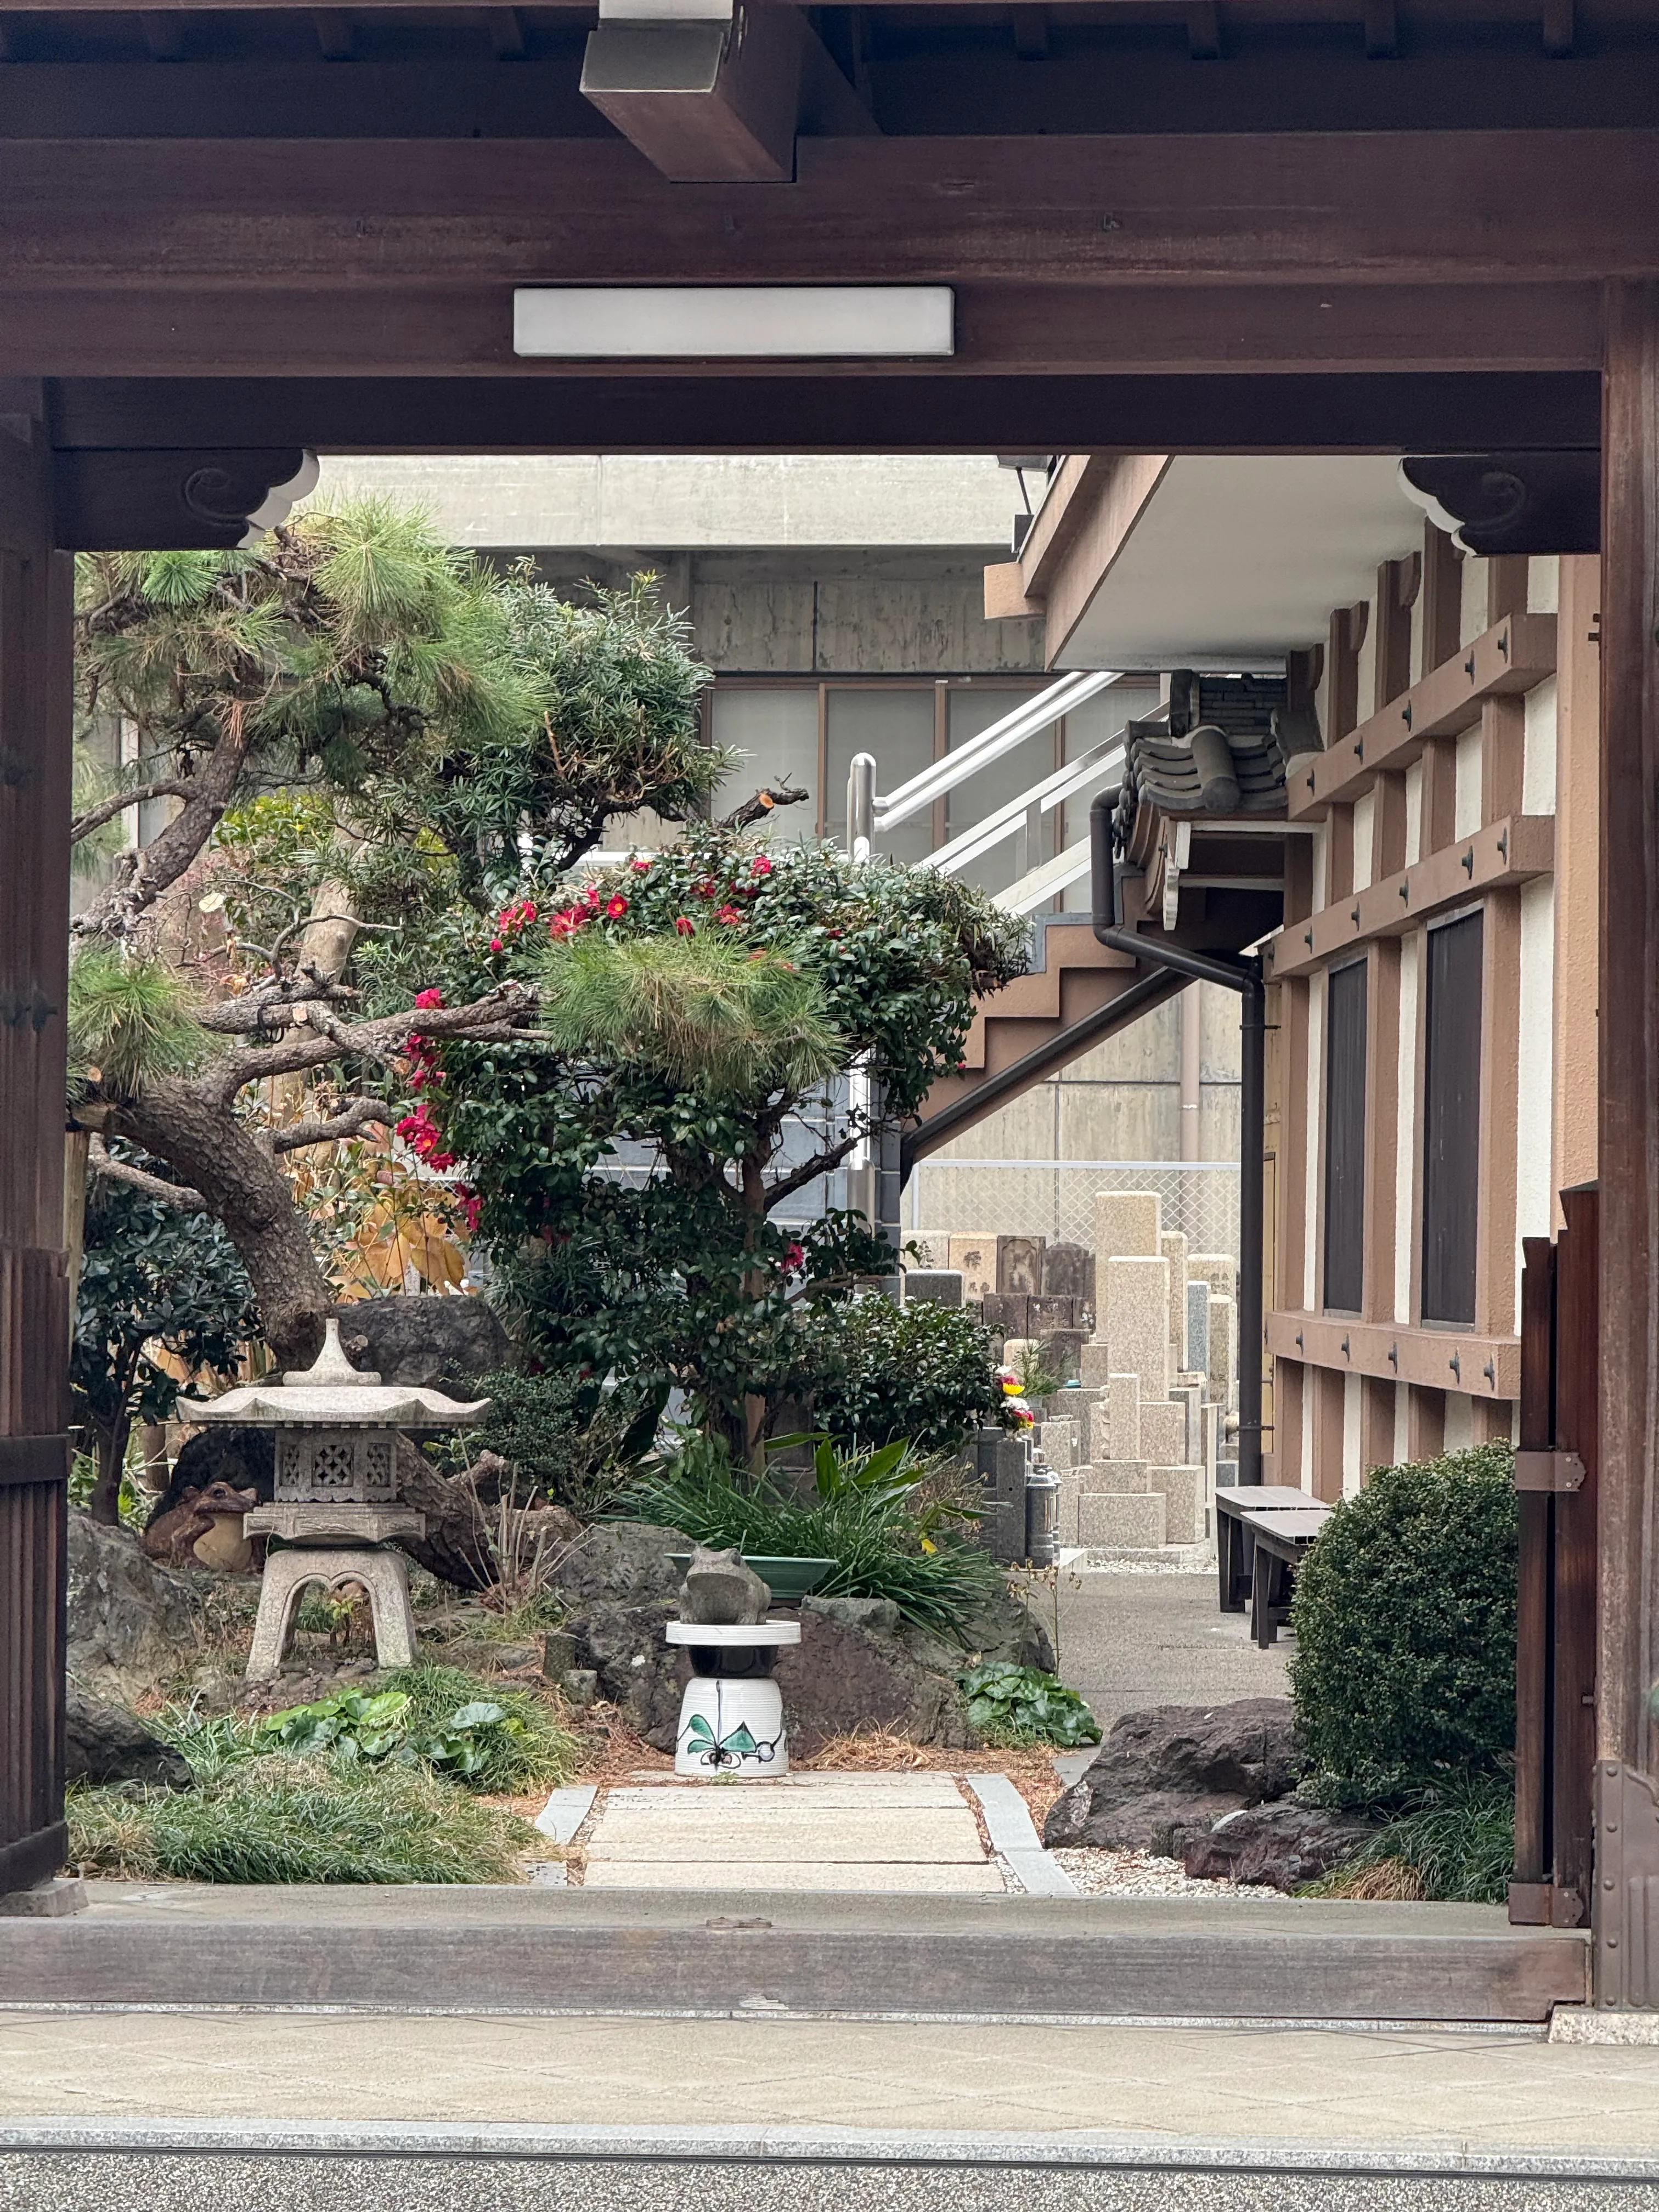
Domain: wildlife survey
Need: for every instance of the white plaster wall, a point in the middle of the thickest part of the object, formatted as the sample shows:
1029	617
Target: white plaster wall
1402	1423
1472	578
1460	1422
1410	953
1467	817
1351	1472
689	500
1313	1124
1307	1427
1321	865
1538	770
1413	813
1533	1117
1364	839
1544	584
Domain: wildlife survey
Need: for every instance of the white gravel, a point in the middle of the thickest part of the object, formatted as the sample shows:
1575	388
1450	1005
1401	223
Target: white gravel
1138	1874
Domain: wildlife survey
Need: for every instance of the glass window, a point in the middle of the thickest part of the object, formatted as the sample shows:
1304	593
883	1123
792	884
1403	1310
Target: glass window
897	727
776	730
1451	1120
1345	1137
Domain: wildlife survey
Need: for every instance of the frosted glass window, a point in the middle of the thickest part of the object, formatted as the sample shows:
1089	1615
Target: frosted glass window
777	733
897	727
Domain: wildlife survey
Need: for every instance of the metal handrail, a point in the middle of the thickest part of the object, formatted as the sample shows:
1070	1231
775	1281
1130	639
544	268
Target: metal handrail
1004	821
941	775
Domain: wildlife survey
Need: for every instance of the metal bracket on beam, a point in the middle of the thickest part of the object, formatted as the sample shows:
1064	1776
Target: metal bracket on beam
1548	1470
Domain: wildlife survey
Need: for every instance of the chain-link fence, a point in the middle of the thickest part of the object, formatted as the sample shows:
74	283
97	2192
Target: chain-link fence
1056	1199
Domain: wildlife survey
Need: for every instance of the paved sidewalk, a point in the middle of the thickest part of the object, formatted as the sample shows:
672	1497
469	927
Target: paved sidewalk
1416	2089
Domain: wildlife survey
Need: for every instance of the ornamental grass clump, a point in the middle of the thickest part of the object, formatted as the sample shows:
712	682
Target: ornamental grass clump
1452	1843
868	1511
1404	1671
285	1819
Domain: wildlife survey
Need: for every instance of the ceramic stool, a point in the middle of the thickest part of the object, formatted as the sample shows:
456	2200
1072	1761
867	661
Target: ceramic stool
731	1712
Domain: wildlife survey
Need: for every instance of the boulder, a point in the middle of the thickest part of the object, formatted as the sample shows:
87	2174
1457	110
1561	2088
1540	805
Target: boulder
1169	1774
1282	1845
436	1343
620	1562
108	1743
841	1678
241	1458
129	1619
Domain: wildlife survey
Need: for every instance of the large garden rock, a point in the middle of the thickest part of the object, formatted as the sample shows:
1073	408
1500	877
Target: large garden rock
1282	1845
129	1619
841	1678
433	1343
108	1743
1169	1774
620	1562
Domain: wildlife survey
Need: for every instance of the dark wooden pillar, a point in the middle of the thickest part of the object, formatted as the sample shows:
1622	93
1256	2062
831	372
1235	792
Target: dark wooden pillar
1627	1892
35	711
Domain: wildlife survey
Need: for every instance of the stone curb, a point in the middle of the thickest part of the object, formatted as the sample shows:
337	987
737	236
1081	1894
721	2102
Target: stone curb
717	2145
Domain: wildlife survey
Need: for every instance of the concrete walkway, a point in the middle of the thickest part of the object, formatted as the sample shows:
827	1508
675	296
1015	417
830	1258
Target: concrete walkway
1127	1641
1414	2090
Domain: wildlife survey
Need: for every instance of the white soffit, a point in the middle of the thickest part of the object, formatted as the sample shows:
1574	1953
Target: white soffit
1235	560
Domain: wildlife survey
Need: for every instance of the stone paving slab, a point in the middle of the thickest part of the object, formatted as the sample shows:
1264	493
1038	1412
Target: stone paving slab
940	1836
928	1877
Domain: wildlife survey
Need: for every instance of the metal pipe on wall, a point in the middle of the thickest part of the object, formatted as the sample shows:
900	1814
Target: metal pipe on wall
1242	975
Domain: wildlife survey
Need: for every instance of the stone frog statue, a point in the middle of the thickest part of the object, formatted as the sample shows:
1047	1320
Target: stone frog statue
204	1528
720	1591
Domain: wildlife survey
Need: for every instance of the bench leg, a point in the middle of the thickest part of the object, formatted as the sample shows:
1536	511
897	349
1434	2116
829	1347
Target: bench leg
1229	1561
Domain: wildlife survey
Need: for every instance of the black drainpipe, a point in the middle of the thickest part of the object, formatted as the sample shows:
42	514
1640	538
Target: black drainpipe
1242	975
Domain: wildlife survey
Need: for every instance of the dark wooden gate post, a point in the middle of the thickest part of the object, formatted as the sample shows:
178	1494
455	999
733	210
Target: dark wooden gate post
1626	1884
35	729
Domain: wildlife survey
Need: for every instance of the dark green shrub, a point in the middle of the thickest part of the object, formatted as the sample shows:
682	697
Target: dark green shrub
921	1372
563	1437
1404	1671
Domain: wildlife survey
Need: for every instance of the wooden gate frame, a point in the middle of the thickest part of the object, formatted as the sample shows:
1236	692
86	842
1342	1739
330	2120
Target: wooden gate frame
1556	1472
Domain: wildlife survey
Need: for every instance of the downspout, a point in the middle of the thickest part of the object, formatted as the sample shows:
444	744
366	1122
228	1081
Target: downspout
1242	975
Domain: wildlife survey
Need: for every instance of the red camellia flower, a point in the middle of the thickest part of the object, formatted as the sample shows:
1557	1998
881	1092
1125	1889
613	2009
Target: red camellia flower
431	997
641	867
704	888
684	924
470	1204
795	1258
616	906
762	867
494	943
728	914
591	895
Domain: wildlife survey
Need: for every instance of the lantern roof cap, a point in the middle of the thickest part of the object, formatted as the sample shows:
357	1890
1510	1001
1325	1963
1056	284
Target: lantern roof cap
333	1393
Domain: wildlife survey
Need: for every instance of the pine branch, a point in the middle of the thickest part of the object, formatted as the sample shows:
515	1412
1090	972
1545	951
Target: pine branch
355	1114
106	809
821	1163
498	1015
757	808
172	1194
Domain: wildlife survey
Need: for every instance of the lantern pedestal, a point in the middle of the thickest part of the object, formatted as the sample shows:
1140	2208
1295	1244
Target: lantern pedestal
382	1572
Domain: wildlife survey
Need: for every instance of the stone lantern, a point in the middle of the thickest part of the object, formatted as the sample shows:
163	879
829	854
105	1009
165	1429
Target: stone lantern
336	1506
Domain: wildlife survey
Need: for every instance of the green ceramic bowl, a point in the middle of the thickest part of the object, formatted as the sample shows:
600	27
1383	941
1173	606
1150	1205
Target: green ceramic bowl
788	1580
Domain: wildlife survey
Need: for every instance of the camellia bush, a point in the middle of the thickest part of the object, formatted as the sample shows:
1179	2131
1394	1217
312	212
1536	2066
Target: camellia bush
1404	1671
628	1155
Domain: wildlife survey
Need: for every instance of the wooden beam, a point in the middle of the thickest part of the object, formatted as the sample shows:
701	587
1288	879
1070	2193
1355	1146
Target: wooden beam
1382	30
375	324
1510	658
704	102
1316	208
1485	1365
1497	856
698	413
1629	1116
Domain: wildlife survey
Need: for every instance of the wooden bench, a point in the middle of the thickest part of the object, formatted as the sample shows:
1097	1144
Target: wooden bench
1262	1533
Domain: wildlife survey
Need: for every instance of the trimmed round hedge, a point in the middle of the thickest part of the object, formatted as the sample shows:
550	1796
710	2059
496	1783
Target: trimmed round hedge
1404	1613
